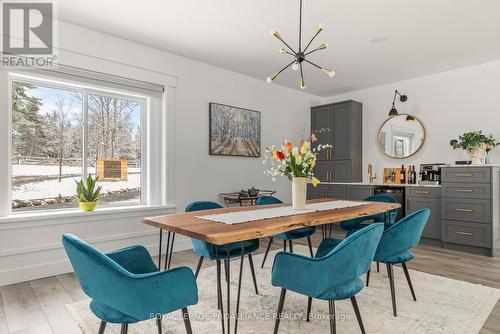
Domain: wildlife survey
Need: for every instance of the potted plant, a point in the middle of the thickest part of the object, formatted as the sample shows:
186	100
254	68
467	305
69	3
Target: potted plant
476	144
297	163
87	194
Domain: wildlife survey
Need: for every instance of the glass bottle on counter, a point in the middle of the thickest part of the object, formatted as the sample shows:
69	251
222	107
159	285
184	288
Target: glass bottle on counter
402	175
414	175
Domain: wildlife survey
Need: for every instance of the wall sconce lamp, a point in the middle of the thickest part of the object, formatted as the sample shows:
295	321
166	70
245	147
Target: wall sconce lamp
402	98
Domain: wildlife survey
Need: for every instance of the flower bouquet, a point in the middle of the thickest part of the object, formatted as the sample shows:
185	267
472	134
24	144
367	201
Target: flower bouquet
297	163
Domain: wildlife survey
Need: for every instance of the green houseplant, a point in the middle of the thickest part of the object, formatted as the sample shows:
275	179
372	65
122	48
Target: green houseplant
476	144
87	193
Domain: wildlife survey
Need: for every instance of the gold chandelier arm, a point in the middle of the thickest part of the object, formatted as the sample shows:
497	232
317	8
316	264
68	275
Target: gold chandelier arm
302	83
274	76
321	47
278	36
316	33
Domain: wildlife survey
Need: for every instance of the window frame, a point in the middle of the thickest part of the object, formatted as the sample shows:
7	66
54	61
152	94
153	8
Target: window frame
85	90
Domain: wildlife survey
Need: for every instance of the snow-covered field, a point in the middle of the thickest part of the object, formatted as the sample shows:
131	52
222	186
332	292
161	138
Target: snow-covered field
54	188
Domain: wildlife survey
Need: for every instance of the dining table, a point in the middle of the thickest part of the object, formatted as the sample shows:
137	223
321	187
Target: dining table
200	225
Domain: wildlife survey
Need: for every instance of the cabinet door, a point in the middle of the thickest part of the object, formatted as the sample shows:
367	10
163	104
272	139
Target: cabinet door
341	170
358	192
323	171
315	195
433	227
321	118
342	127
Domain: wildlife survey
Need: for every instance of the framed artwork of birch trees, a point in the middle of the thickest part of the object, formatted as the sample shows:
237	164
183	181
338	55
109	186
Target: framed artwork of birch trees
234	131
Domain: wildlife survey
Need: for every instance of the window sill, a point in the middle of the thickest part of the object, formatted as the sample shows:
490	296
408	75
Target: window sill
98	214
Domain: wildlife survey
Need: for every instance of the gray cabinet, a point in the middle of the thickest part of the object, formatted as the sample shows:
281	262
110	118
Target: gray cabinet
425	197
470	214
332	191
343	121
358	192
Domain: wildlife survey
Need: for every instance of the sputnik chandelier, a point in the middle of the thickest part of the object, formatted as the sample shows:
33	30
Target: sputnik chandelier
300	56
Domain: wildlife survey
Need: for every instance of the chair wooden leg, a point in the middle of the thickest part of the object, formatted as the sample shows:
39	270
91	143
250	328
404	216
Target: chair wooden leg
408	279
124	329
333	325
310	246
267	252
187	323
290	245
158	324
102	327
198	267
368	277
378	267
252	270
309	305
393	291
358	315
280	311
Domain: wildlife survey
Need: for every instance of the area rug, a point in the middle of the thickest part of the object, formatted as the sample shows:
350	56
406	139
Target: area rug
443	306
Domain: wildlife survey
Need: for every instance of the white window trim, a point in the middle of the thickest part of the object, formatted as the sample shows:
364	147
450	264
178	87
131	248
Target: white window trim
161	198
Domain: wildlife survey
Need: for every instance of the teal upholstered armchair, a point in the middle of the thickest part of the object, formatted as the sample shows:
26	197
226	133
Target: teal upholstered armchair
221	252
304	232
355	224
395	247
126	286
332	275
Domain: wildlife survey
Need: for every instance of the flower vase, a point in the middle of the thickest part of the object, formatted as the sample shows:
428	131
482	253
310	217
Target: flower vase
299	188
478	155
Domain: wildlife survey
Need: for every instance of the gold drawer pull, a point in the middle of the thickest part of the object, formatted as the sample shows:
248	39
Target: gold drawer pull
464	210
464	190
463	233
422	192
463	174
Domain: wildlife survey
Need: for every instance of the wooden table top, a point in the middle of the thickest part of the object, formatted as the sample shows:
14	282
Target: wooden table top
187	224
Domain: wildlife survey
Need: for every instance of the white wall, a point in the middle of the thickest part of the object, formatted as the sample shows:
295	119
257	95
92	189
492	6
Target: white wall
448	104
32	249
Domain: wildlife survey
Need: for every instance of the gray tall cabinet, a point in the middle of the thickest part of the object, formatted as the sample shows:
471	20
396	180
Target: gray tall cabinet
340	125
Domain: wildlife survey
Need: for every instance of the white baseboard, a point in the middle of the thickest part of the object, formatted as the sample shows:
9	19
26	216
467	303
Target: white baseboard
29	272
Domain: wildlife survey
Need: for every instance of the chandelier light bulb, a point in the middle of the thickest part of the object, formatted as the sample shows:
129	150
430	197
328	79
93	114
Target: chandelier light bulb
269	80
283	50
295	66
322	46
330	73
319	29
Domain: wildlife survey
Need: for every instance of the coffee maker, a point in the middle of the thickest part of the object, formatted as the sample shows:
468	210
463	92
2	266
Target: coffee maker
430	174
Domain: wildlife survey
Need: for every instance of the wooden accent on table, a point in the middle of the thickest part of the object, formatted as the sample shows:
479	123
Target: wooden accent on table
187	224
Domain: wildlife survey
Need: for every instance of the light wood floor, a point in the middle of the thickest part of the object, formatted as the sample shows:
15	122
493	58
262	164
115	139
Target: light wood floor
38	306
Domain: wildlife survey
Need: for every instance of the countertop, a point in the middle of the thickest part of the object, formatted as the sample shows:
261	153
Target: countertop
384	184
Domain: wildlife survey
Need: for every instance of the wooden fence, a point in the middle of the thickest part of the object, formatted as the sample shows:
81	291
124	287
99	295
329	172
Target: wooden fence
48	161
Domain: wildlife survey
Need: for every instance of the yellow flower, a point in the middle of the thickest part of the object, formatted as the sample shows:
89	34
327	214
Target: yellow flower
275	155
304	148
314	181
313	163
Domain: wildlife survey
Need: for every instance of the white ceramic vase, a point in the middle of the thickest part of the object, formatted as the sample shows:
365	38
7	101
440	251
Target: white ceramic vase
478	155
299	185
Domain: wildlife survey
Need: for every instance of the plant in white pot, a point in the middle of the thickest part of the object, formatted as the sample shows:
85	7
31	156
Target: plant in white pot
476	144
297	163
87	194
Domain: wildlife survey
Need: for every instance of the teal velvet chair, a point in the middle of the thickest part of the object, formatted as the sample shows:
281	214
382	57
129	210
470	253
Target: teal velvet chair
357	223
221	252
395	247
332	275
300	233
126	286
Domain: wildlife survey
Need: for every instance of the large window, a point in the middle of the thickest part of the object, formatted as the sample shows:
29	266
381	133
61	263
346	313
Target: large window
61	133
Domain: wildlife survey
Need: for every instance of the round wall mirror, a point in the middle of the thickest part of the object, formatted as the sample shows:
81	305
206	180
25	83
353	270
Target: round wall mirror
401	136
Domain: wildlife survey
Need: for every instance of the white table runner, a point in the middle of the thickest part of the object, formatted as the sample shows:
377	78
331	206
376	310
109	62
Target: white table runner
239	217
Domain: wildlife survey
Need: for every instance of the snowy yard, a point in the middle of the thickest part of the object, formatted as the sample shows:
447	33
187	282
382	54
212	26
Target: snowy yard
48	186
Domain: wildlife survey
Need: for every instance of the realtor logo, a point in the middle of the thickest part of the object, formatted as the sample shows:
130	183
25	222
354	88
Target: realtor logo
27	33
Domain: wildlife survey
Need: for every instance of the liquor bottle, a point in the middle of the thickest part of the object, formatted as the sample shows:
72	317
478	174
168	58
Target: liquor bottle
414	175
402	175
408	175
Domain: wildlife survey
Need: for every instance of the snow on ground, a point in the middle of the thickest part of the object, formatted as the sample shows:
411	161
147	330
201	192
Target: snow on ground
67	186
38	170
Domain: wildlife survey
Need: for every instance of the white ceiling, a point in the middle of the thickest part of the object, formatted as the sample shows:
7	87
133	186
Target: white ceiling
416	37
